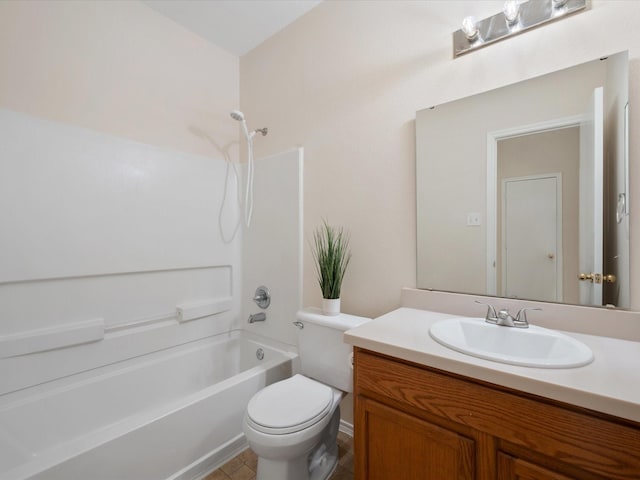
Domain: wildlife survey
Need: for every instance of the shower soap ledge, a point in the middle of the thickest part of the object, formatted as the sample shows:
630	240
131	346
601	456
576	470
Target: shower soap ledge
203	308
43	339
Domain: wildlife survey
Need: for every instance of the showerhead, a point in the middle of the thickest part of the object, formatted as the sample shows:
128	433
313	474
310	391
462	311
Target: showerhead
237	115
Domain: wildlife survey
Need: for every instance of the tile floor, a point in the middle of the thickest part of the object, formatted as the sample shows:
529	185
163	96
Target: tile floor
244	465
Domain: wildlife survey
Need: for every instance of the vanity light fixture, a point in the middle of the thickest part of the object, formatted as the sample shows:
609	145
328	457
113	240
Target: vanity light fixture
516	17
511	11
469	28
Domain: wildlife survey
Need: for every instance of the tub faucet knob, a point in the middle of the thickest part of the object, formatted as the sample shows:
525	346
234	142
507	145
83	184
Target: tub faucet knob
262	297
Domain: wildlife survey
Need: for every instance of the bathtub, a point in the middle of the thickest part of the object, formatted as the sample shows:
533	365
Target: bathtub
166	416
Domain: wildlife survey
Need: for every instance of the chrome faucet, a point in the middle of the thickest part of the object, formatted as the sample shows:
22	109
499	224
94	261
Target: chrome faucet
257	317
504	318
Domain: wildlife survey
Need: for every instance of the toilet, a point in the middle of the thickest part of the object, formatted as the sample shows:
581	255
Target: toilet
292	425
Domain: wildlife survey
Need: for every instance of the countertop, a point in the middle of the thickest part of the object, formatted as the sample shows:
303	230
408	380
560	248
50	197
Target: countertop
610	384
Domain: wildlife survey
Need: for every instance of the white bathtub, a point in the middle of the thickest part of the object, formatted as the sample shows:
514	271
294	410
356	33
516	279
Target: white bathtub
167	416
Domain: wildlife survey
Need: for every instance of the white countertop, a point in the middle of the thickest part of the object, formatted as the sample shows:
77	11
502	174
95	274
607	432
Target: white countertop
610	384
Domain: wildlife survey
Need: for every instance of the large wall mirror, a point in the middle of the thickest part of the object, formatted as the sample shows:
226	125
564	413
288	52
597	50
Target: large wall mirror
522	192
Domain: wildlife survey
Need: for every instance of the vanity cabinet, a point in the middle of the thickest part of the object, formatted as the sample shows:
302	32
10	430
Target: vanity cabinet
416	422
422	449
517	469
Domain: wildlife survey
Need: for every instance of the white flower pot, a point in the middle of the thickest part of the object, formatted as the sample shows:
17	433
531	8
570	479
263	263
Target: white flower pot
331	306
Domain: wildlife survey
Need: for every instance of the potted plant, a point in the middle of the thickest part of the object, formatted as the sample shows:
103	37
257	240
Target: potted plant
331	253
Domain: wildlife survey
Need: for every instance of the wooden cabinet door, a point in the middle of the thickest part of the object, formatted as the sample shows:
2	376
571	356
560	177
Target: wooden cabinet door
396	445
511	468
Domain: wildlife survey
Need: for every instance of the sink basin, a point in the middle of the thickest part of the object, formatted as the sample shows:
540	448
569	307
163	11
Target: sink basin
527	347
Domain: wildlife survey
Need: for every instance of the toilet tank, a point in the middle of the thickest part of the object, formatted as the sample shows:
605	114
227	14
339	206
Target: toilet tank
323	354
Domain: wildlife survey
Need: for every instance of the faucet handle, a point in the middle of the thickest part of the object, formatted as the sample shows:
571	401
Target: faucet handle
491	316
521	317
262	297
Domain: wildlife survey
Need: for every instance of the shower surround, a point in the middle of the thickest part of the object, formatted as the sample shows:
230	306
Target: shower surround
123	310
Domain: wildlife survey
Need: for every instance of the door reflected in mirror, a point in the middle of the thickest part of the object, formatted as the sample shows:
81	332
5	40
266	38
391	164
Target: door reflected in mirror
518	189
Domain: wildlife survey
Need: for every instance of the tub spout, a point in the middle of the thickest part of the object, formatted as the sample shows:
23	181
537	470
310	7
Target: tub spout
257	317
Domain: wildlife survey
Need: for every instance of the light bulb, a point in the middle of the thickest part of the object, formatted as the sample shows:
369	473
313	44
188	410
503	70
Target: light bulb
469	28
511	11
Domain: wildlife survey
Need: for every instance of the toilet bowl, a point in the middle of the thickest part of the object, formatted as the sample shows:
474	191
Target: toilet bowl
292	425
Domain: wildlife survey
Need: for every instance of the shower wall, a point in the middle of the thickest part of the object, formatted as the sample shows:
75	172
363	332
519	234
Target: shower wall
273	246
113	173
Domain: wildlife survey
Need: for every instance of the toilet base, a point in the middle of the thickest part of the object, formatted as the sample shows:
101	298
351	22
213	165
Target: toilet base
275	469
318	464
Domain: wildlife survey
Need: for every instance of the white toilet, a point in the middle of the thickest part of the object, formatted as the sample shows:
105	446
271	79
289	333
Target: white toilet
292	425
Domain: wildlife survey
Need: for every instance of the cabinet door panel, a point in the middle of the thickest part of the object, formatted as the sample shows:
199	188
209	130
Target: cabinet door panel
398	445
602	448
511	468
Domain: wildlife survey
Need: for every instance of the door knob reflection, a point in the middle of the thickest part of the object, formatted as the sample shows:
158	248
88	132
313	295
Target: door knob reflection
597	277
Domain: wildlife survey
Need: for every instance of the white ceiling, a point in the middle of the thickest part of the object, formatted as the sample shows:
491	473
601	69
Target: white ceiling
234	25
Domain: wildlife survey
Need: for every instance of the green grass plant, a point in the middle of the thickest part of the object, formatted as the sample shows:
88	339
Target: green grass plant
331	253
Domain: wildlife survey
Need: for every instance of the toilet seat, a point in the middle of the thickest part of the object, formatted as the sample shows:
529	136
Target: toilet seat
289	406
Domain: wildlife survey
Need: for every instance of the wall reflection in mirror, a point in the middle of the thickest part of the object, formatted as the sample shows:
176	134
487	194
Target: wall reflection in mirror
522	192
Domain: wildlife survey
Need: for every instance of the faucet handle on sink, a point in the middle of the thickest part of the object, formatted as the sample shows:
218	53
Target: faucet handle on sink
521	317
491	316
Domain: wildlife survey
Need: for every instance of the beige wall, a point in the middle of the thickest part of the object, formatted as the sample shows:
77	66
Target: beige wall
345	82
120	68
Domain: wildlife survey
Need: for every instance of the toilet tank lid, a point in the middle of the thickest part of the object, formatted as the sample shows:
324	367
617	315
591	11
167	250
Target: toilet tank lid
343	321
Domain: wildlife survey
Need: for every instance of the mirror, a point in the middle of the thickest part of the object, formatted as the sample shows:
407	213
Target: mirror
522	191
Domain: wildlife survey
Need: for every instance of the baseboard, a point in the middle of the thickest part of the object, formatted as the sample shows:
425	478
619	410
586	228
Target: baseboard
346	427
